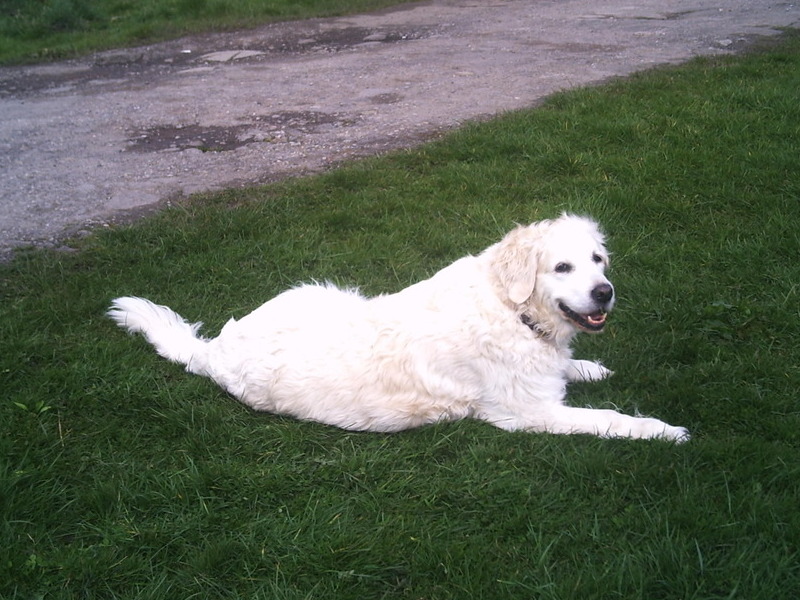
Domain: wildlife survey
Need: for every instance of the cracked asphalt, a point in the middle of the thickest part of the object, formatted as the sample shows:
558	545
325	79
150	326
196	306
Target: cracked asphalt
87	142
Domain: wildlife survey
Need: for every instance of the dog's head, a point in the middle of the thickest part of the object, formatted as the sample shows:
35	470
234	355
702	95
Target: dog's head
553	272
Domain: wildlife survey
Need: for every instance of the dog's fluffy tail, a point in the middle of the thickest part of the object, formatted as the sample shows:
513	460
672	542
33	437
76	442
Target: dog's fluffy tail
172	336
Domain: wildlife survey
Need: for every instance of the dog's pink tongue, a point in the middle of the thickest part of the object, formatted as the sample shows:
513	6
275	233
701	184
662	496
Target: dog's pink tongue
596	318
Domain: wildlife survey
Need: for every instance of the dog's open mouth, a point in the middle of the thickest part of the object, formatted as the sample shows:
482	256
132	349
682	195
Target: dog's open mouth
590	322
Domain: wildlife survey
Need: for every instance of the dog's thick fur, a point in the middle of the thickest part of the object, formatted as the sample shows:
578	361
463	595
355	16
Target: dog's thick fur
486	337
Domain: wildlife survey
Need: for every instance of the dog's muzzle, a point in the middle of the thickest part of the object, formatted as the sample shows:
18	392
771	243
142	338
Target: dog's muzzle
603	296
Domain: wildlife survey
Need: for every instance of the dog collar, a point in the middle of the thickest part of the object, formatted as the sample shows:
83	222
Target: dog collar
534	326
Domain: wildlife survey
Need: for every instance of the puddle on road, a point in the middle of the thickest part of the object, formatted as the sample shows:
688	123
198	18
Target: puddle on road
271	128
139	66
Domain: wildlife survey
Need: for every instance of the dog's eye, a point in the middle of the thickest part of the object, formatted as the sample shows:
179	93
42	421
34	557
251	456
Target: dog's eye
597	258
563	267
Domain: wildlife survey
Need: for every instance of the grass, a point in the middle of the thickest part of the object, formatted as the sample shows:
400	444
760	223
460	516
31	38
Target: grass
36	30
123	477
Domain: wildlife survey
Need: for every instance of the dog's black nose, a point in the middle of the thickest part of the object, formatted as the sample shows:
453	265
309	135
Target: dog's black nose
603	293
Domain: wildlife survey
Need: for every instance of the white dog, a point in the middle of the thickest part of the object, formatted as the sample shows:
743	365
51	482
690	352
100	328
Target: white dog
486	337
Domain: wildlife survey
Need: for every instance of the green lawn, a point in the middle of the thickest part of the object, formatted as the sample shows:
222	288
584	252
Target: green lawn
36	30
123	477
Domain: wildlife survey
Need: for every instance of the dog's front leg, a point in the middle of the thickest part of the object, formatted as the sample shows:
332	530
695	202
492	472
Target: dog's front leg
609	423
600	422
586	370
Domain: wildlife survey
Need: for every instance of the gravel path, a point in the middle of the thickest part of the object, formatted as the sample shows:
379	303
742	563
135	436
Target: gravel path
111	136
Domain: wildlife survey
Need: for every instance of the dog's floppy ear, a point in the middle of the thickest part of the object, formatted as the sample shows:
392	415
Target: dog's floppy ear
516	262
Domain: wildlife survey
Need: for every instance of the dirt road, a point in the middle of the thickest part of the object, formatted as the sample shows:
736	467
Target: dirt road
87	141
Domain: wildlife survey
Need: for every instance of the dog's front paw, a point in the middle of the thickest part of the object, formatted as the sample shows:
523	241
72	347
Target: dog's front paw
653	428
587	370
676	434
